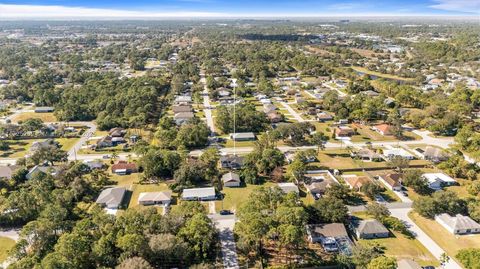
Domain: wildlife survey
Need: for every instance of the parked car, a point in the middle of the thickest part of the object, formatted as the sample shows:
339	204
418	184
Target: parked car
106	156
226	212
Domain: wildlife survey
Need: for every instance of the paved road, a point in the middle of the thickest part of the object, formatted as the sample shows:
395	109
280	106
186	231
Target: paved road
206	106
390	206
72	153
434	248
225	226
292	112
340	93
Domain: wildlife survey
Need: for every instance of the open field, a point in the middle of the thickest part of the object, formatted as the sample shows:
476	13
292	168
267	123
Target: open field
126	180
18	148
45	117
367	53
447	241
234	197
378	74
6	244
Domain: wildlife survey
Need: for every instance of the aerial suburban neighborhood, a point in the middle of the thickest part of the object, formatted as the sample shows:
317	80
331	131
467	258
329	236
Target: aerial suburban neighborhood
240	143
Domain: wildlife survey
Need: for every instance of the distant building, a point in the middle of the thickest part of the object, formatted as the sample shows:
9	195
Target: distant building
44	109
111	198
366	154
458	224
199	194
397	152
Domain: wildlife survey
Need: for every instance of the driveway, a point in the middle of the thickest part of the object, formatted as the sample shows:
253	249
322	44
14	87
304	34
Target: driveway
434	248
225	226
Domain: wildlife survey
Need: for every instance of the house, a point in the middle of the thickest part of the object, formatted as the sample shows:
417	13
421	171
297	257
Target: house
397	152
288	187
383	129
94	164
344	131
44	109
117	132
248	136
105	142
355	182
408	264
299	100
51	170
155	198
324	116
111	198
434	154
327	235
458	224
268	108
369	229
317	182
7	171
366	154
275	117
436	181
43	144
182	99
393	181
370	93
231	162
183	117
231	180
124	168
199	194
181	108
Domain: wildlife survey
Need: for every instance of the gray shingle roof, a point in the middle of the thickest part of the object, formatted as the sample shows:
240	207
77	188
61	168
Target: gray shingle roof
372	226
111	196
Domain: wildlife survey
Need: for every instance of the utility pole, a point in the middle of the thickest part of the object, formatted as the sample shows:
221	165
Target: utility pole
234	121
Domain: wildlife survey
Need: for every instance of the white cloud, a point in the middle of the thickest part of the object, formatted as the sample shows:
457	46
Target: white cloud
62	12
344	6
470	6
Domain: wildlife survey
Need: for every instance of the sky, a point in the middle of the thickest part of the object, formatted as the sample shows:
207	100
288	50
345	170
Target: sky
232	8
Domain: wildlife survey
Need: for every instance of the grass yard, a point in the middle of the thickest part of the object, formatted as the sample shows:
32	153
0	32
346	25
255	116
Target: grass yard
234	197
139	188
18	148
45	117
67	143
126	180
401	247
447	241
6	244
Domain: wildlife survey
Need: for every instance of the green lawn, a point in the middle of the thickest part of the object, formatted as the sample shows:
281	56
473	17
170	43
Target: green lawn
6	244
447	241
18	148
234	197
126	180
67	143
401	247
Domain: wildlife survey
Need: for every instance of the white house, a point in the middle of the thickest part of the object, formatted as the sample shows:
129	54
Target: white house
288	187
397	152
459	224
436	181
202	194
155	198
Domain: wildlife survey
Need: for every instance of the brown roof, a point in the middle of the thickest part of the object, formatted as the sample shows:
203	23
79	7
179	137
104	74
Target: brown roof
328	230
344	131
384	128
179	109
356	182
392	179
124	165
